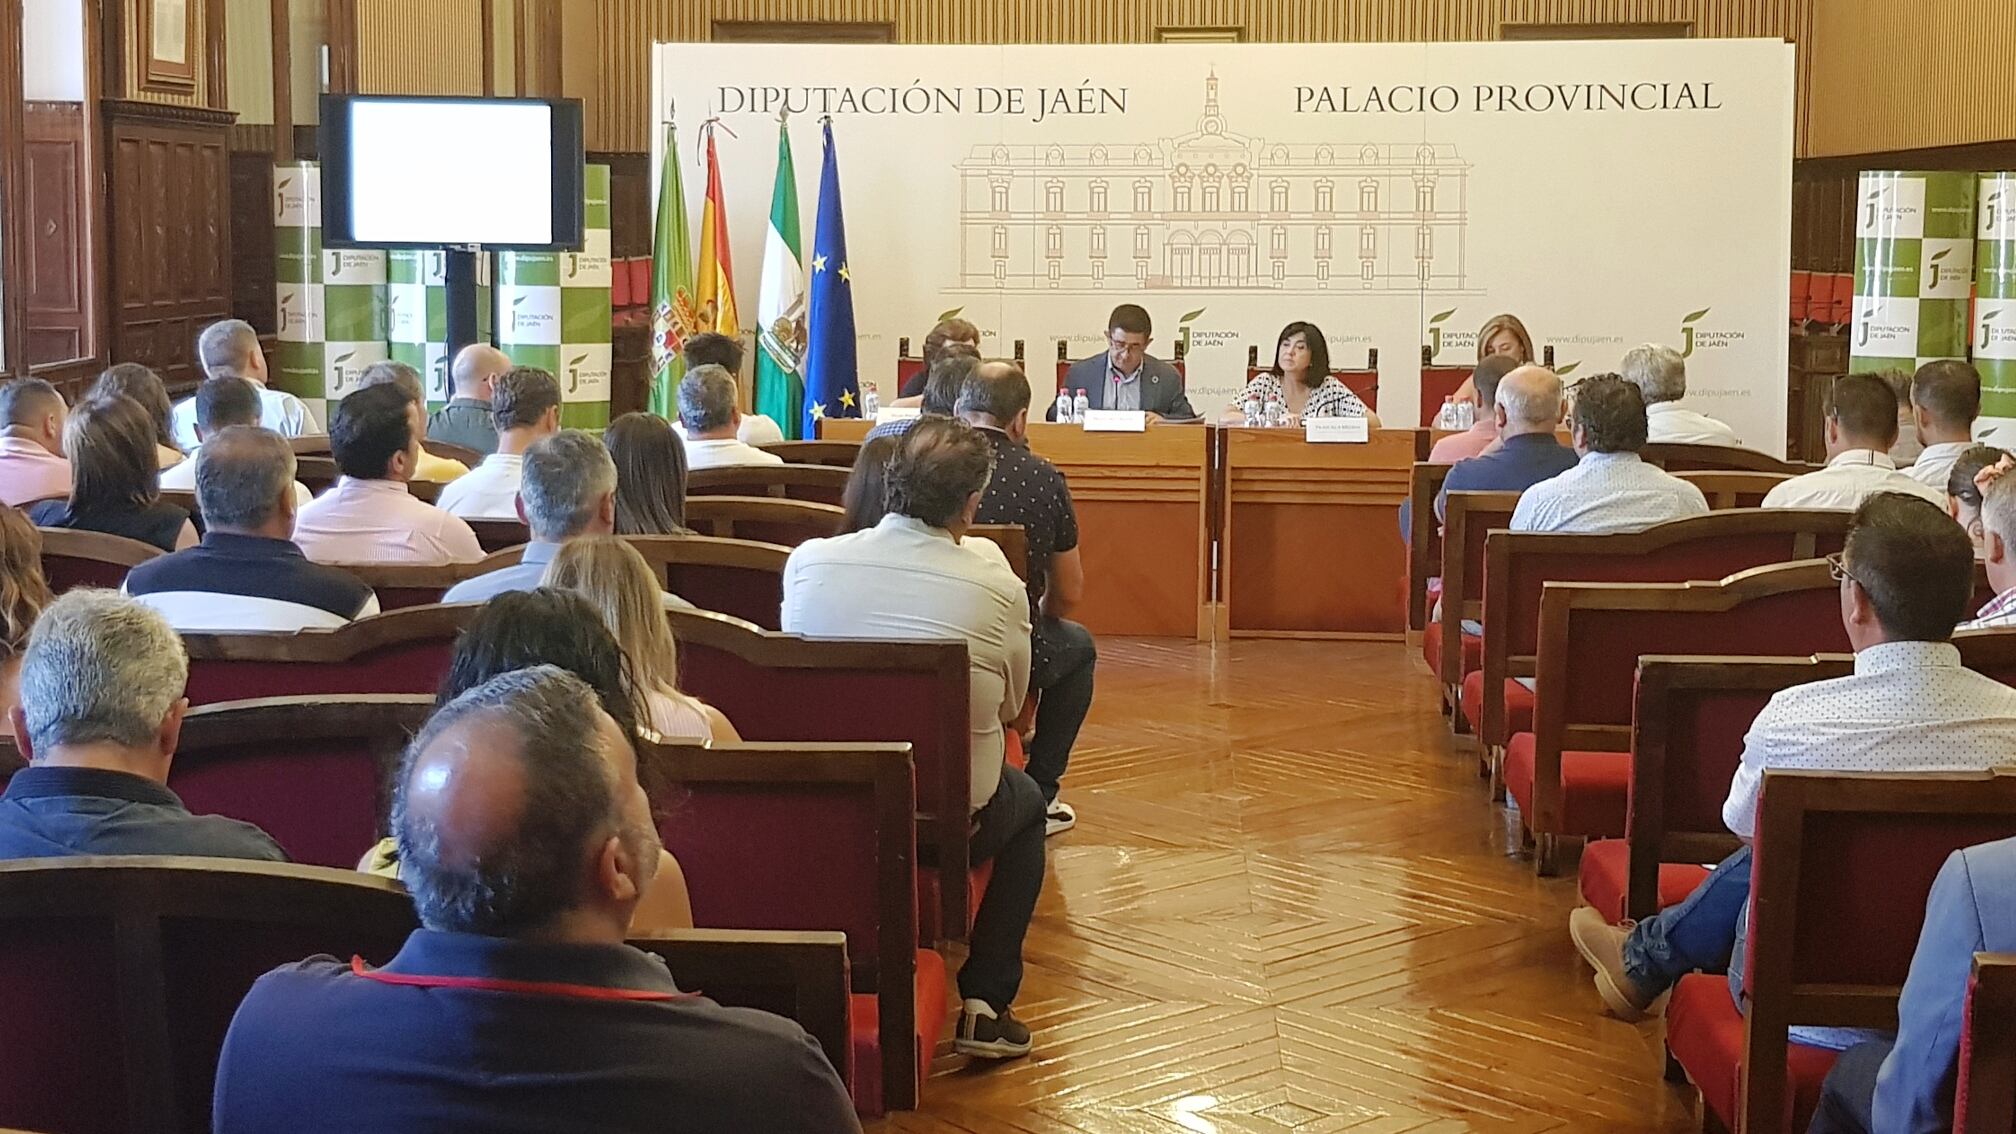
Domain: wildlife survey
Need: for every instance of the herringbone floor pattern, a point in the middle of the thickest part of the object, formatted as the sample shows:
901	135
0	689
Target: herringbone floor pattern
1286	906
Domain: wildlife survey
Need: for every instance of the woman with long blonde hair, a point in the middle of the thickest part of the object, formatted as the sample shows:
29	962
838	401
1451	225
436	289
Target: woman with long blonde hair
23	595
616	581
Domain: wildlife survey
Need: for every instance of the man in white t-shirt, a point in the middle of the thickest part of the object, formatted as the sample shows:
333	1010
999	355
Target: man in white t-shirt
232	347
525	404
709	348
1660	374
1945	400
221	403
708	411
1861	426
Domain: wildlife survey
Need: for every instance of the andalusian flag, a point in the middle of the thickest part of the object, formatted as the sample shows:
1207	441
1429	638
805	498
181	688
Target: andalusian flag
717	275
672	314
780	307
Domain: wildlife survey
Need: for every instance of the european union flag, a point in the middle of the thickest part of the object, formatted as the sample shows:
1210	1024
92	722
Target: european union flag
832	372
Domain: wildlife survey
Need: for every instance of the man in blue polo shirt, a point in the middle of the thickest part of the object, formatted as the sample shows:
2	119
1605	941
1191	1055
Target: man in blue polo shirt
247	574
100	714
526	841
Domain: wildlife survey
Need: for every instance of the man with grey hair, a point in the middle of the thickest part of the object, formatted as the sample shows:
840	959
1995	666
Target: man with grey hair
466	420
525	407
1525	411
710	416
231	346
526	841
248	574
568	491
1660	374
100	715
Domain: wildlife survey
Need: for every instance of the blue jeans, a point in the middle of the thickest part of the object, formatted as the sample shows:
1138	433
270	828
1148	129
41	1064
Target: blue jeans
1065	656
1008	830
1699	934
1848	1096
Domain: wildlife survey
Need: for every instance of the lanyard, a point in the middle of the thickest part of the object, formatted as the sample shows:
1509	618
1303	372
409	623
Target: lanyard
524	987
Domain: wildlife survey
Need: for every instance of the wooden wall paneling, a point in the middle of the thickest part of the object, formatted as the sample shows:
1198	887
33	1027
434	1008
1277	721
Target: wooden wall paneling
125	54
56	196
419	46
254	149
340	20
1900	74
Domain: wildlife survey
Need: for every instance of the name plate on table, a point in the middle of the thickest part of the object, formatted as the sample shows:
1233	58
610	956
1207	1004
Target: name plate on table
897	413
1116	421
1337	430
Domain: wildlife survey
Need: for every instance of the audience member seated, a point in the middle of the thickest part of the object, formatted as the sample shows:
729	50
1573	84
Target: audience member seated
220	404
725	351
711	421
909	577
1028	490
439	470
548	627
953	332
100	713
1474	441
943	379
1963	495
139	382
1861	425
115	479
31	443
616	581
865	498
1906	1085
1610	489
1660	373
369	516
1525	410
1997	545
1906	448
247	574
467	420
650	475
232	347
1907	576
1945	400
568	491
23	595
527	841
525	408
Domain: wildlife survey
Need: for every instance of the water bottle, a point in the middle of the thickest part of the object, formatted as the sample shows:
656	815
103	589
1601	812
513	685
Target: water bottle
871	402
1079	405
1446	418
1276	413
1466	415
1253	411
1064	407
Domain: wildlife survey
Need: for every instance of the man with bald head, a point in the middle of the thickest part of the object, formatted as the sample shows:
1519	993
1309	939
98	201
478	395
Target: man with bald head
527	841
31	442
466	419
231	346
1525	411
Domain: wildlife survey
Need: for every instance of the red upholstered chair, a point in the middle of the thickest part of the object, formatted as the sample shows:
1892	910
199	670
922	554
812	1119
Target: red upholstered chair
1842	868
839	454
1571	774
1467	519
1438	383
120	976
72	558
737	577
1675	457
908	366
816	836
405	651
1985	1099
766	519
1517	564
1424	541
777	687
821	483
1727	488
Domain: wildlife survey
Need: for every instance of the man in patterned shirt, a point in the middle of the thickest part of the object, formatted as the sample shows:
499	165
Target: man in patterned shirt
1998	545
1609	489
1907	575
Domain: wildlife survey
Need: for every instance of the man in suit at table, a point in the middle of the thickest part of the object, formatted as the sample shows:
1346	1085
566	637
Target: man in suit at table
1124	377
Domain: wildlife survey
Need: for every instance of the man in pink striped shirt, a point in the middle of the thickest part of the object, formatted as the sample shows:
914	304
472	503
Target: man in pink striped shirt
31	443
369	516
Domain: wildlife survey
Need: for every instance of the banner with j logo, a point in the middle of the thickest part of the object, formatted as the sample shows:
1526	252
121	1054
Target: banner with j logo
553	312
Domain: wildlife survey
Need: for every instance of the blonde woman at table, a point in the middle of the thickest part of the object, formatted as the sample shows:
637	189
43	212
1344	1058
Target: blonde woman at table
1301	381
1500	334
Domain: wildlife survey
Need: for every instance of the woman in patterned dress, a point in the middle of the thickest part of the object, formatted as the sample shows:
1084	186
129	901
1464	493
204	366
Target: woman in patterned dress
1301	380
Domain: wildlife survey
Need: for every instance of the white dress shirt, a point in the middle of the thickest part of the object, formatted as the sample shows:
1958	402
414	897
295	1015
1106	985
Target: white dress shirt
1671	423
1934	462
906	579
182	478
756	429
487	492
279	411
1607	492
726	453
379	521
1848	480
1908	707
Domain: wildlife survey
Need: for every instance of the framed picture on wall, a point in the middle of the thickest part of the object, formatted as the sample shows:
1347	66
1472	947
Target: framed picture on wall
168	45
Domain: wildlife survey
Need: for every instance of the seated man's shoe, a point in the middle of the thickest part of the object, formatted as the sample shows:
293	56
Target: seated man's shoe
1602	945
987	1034
1058	817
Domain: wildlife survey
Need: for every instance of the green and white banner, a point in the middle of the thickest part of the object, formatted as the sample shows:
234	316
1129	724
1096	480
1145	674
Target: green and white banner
1994	342
553	312
416	307
331	303
1914	269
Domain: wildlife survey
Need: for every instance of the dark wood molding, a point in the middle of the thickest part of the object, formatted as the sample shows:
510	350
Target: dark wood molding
487	12
340	24
13	171
283	81
217	81
128	110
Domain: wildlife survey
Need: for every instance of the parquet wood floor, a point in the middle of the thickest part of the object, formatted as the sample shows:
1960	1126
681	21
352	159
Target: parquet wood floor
1286	906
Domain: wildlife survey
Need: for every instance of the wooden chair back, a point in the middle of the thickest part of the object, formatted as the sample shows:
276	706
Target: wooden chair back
469	458
402	651
737	577
908	366
73	558
403	585
311	445
1424	537
837	453
496	535
1676	457
426	491
1737	488
317	473
1467	518
767	519
820	483
808	836
1984	1101
777	687
121	975
1012	539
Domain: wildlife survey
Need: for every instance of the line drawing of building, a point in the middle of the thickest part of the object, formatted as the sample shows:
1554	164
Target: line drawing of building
1214	210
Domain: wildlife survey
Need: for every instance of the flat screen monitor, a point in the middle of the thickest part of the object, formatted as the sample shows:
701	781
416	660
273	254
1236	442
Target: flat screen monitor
431	172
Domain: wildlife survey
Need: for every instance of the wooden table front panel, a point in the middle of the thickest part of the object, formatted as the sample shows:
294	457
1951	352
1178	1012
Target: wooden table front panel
1312	539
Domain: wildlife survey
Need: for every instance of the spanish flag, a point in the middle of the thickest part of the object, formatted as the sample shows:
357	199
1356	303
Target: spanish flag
716	285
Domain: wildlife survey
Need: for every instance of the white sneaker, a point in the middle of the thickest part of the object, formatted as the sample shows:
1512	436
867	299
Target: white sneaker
1058	818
